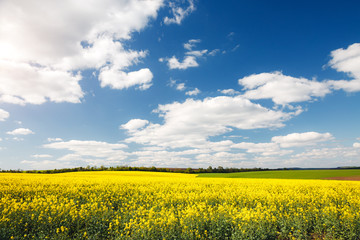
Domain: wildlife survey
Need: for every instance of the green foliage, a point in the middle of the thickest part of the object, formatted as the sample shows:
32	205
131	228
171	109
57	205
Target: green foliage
210	169
287	174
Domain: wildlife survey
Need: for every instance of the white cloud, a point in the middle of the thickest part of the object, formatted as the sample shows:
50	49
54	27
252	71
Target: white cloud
189	61
3	115
41	156
219	146
348	86
266	149
236	136
356	145
20	131
191	56
189	124
197	53
135	124
220	159
273	148
214	52
21	83
19	139
83	150
191	44
67	26
54	139
348	61
117	79
282	89
179	13
74	37
301	139
194	92
180	87
104	51
213	153
334	157
160	158
229	91
46	164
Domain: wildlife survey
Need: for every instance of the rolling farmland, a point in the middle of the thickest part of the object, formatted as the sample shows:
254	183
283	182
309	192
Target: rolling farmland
147	205
288	174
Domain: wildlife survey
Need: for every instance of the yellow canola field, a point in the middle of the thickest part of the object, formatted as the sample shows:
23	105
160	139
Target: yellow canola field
145	205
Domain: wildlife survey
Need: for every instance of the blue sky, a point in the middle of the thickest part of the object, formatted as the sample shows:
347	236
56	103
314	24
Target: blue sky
184	83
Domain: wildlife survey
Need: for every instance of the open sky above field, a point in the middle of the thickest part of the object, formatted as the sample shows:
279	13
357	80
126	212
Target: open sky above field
182	83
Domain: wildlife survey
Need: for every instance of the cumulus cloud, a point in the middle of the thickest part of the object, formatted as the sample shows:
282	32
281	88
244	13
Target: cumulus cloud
41	156
229	91
21	83
348	61
73	38
180	87
160	158
301	139
265	149
177	85
197	53
179	13
213	153
221	159
356	145
90	150
337	156
282	89
46	164
348	86
191	56
135	124
192	122
54	139
191	44
273	148
188	61
3	115
117	79
20	131
194	92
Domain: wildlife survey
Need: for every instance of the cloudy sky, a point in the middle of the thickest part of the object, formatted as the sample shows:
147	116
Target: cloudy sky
179	83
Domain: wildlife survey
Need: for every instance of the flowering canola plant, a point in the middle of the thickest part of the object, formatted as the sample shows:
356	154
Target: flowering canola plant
147	205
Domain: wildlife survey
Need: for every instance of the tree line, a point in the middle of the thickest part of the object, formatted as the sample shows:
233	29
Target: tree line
210	169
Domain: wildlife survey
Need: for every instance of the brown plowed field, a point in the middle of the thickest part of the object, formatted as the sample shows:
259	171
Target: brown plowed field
353	178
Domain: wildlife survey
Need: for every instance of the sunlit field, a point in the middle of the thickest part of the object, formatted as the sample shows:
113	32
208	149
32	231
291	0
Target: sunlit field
144	205
288	174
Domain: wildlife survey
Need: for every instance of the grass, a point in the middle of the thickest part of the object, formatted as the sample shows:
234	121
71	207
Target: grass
286	174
